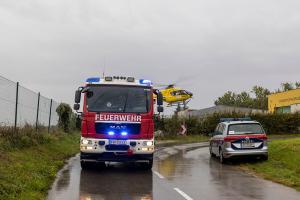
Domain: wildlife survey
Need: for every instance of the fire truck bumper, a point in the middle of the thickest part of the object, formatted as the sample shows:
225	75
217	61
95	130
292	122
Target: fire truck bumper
100	150
114	157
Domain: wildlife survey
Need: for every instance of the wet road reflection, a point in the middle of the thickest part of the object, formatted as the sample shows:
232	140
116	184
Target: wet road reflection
116	182
203	177
186	167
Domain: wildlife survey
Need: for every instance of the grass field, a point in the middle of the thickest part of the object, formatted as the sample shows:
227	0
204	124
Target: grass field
283	136
283	165
27	173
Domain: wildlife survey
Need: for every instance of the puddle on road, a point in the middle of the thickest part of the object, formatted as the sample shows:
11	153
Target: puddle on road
191	169
117	181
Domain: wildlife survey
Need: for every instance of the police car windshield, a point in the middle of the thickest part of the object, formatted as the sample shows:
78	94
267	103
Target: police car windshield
245	128
120	99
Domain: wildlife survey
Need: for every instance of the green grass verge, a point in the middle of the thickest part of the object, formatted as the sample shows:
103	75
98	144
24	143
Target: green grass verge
27	173
283	136
283	165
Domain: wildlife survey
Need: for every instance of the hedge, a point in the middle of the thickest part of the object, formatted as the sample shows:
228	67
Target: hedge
272	123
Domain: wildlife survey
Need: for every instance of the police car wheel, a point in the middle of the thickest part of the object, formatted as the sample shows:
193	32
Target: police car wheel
265	158
210	152
221	157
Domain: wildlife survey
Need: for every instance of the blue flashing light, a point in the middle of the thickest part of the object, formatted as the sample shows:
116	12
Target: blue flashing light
145	82
93	80
111	133
124	133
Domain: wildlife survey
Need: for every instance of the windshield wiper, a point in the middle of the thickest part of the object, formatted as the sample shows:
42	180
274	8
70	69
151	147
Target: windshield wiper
125	104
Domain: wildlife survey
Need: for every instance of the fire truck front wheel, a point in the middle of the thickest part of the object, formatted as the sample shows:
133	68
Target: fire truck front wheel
148	165
85	165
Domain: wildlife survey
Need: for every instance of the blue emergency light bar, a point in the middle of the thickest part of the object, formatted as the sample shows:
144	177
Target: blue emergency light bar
93	80
119	78
145	82
235	119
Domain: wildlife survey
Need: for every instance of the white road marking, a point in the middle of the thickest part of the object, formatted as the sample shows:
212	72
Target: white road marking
187	197
158	174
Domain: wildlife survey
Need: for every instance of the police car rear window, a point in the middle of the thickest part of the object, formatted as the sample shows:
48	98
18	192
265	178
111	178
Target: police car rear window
245	128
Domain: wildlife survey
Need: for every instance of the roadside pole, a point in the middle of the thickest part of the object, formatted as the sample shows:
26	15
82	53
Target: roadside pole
37	112
16	107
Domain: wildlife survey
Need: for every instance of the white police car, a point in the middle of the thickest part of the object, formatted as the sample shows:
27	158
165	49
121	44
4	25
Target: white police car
238	137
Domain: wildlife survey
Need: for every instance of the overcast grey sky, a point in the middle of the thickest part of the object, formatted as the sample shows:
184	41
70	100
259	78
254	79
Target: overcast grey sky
53	46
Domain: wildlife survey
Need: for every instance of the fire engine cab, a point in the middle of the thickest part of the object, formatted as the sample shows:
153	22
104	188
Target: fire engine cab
117	120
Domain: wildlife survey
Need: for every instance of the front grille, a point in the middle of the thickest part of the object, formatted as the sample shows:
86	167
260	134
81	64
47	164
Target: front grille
118	128
113	147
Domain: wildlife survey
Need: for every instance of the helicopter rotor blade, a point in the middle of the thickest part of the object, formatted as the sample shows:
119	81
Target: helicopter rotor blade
186	79
180	80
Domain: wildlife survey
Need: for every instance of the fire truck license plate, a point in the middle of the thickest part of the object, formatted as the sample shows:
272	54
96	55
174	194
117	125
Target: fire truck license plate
118	142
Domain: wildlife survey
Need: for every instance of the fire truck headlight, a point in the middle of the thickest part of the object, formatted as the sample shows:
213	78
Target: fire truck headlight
85	141
124	133
148	143
111	133
147	149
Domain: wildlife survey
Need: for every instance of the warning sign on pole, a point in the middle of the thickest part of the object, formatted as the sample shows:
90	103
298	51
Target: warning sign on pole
183	129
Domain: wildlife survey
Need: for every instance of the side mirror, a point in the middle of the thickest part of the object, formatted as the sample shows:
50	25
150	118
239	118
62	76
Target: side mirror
160	109
77	96
160	99
76	106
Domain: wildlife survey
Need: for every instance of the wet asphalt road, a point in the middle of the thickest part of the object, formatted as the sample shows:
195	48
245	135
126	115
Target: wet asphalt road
183	172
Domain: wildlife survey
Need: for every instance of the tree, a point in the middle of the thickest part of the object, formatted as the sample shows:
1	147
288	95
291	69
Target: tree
287	86
244	100
261	97
229	99
297	84
65	113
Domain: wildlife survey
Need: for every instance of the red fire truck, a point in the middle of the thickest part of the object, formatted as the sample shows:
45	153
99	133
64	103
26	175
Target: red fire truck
117	120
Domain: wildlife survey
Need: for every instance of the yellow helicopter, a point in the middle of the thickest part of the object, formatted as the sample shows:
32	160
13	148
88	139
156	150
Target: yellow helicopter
175	96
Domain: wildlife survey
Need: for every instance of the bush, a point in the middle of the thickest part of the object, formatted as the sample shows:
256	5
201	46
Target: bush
26	136
67	120
272	123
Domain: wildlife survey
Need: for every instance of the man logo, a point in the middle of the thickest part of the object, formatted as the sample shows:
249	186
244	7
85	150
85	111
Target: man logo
117	127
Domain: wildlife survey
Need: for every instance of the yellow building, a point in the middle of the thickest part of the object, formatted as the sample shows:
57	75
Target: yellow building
284	102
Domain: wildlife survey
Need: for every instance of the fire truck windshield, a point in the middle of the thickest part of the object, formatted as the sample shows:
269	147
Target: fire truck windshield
119	99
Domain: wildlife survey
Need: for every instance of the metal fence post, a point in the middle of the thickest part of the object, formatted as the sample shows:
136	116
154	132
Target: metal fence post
49	125
37	112
16	108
